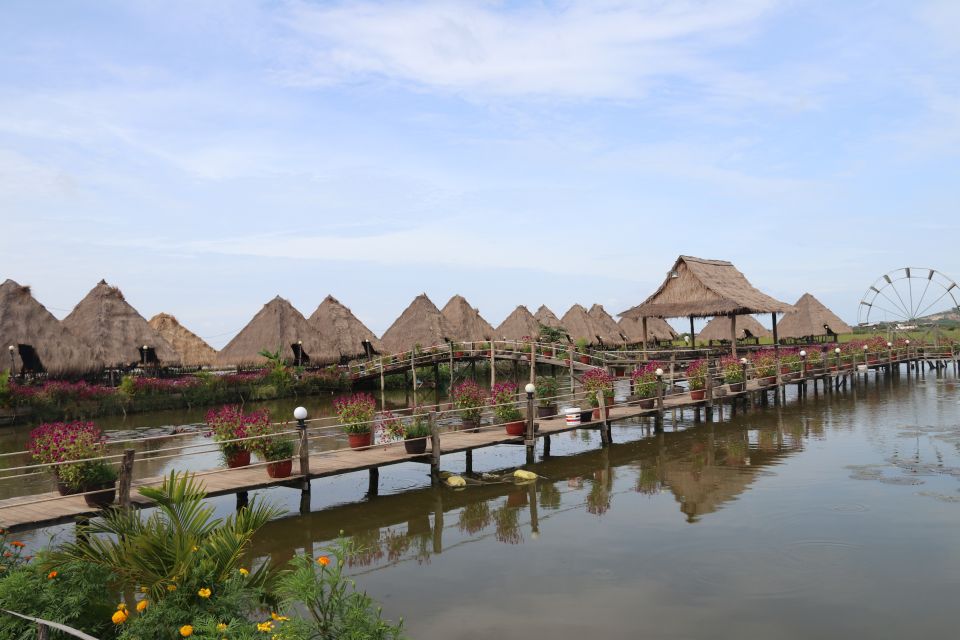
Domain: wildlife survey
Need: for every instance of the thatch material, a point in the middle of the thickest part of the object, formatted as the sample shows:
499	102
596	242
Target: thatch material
191	348
467	323
657	330
547	318
276	327
809	318
25	321
702	288
518	325
719	329
420	323
579	325
341	331
609	329
114	329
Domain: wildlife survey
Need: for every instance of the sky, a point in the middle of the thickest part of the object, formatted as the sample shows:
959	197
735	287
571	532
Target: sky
207	156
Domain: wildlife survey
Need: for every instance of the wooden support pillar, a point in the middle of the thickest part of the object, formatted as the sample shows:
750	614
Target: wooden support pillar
733	335
413	370
305	500
469	461
658	419
304	458
493	364
438	523
643	321
434	449
242	500
546	446
452	378
383	386
126	477
373	482
693	339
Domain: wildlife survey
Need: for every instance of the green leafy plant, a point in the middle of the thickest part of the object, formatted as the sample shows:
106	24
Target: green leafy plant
547	387
469	398
764	363
231	423
356	412
5	388
697	372
582	345
552	335
645	380
596	382
504	401
732	370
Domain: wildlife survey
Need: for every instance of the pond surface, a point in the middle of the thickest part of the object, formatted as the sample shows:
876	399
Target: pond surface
834	517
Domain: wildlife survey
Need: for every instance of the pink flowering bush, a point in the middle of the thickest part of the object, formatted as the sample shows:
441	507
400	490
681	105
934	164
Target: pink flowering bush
597	381
469	398
504	400
356	412
230	423
697	372
82	442
732	370
764	363
645	379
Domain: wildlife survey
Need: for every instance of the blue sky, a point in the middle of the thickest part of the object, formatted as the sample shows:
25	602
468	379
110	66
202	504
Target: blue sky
206	156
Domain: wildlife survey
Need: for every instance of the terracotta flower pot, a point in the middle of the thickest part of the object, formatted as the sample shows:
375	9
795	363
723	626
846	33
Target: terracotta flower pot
596	413
415	446
646	403
698	394
280	468
769	381
515	428
360	440
736	387
546	412
470	424
584	359
240	459
107	493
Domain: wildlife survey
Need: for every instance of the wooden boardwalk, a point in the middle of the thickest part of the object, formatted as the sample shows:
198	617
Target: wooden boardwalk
34	511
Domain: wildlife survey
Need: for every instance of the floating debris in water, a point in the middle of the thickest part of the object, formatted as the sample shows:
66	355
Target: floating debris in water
939	496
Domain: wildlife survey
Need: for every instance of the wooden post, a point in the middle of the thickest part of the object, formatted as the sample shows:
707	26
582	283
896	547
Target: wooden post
413	369
469	462
451	368
533	362
304	458
602	405
126	477
373	482
383	385
571	354
643	321
434	448
733	335
658	420
528	438
493	364
693	340
43	631
776	358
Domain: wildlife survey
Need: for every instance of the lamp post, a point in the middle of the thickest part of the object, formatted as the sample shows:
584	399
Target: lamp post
530	389
143	354
803	365
299	353
837	352
11	349
300	414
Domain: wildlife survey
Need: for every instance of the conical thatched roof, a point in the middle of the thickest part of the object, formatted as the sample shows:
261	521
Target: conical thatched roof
719	329
702	288
25	321
580	325
657	329
191	348
547	318
114	329
341	331
518	325
608	327
467	323
420	323
276	327
807	319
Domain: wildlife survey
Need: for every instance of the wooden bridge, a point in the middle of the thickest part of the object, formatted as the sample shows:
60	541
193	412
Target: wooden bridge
33	511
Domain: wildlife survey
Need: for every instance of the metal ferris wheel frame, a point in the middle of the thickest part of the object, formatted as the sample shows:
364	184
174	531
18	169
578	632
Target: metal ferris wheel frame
906	295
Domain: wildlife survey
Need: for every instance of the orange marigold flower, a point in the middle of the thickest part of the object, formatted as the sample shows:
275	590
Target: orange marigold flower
204	593
278	618
221	626
186	631
244	572
143	604
51	575
17	544
119	617
323	561
171	587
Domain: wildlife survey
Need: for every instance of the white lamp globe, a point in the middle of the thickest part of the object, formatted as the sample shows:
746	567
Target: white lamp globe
300	413
803	354
658	373
530	388
837	351
889	344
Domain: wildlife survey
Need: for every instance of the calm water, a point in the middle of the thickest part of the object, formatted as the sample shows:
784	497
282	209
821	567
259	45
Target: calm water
832	518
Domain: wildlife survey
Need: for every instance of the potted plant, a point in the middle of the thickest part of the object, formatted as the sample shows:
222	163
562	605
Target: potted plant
582	347
230	423
790	363
732	373
504	401
91	475
645	383
83	442
697	372
547	387
765	366
416	431
469	398
356	414
596	382
273	448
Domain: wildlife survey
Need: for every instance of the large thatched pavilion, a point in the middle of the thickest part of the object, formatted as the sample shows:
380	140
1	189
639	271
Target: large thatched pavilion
421	323
39	341
518	325
547	318
609	330
342	332
698	288
192	349
580	325
277	327
809	318
467	323
118	335
718	330
658	330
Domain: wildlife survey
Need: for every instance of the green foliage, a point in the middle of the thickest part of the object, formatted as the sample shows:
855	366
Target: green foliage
582	345
336	609
87	475
4	388
547	387
128	386
552	335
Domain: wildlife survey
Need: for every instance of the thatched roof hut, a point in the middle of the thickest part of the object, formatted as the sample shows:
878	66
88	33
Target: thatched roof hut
278	326
719	329
341	331
547	318
699	288
420	323
609	329
657	329
26	325
467	323
114	330
809	318
580	325
192	349
518	325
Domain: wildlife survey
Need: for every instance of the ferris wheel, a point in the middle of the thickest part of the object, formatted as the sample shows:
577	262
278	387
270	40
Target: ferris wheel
908	296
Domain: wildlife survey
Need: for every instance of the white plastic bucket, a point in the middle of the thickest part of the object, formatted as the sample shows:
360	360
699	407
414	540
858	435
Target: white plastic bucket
573	416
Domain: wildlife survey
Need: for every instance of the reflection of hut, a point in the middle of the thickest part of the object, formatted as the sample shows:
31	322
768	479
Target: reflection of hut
420	323
718	330
191	348
547	318
658	330
809	318
609	330
117	334
698	288
518	325
580	325
342	332
39	341
277	327
465	321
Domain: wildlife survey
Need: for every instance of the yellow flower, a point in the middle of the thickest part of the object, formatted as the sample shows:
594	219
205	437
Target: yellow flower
274	615
186	631
121	607
196	548
171	587
244	572
221	626
119	616
265	627
143	604
204	593
144	589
